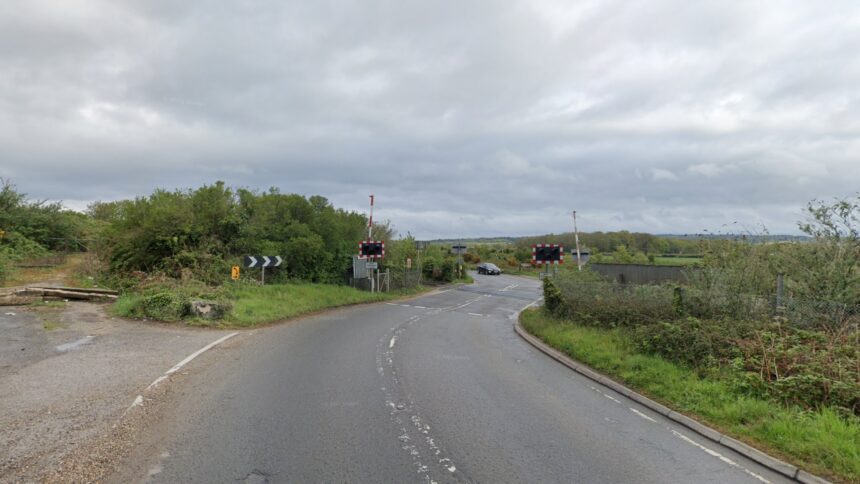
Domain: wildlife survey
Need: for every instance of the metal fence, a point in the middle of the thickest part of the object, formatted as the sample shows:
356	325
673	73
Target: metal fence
642	273
388	280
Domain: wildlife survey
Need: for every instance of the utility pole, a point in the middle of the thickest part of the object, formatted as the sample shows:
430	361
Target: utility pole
576	237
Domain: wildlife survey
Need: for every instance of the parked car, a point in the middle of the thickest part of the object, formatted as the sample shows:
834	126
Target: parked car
488	268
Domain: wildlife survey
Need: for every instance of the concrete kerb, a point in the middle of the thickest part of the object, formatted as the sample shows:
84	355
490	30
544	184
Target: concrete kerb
756	455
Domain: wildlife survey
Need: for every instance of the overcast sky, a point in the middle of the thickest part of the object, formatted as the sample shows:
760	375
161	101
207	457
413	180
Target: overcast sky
464	118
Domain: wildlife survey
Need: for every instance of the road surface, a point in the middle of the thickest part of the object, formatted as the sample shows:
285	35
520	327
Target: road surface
434	389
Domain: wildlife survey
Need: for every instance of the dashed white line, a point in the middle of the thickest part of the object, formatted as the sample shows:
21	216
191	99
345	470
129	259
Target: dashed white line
718	455
391	343
610	397
476	314
637	412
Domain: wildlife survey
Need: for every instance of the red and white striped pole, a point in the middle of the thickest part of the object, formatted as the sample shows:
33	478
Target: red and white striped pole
370	221
576	237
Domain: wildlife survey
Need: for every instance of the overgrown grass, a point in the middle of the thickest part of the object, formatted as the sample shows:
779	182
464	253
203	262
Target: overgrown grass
821	441
253	305
62	272
677	261
250	304
658	260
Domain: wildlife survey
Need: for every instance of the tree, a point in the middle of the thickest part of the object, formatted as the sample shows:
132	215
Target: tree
831	271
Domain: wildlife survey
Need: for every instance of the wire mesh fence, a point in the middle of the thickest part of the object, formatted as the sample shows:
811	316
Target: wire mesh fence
636	304
404	279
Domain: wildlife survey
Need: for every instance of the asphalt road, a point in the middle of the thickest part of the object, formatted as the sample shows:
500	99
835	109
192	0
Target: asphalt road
435	389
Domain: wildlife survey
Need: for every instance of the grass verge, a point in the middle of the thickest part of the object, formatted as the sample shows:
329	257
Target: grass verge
250	304
822	442
254	305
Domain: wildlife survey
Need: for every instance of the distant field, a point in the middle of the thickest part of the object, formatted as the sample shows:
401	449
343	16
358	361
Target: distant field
662	261
677	261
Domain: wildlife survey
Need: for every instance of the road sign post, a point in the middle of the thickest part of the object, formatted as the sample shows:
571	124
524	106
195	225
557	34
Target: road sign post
262	261
459	249
419	246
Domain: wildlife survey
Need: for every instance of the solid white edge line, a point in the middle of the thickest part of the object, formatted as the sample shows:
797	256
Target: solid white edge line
137	402
190	357
198	353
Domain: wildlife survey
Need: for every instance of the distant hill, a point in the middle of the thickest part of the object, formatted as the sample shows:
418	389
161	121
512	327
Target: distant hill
606	242
754	238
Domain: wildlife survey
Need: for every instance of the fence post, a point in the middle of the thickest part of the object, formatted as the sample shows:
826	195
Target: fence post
780	293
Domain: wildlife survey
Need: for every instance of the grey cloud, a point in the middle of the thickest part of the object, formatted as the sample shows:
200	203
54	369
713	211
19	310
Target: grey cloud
463	118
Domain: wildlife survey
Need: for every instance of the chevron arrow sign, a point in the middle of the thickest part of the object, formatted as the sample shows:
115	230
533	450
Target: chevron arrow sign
262	261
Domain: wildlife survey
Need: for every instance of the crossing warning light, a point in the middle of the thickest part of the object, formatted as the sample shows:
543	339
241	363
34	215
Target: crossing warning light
547	254
371	249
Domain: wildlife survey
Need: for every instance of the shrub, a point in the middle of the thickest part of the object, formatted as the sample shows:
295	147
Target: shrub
600	303
694	342
807	368
553	299
165	306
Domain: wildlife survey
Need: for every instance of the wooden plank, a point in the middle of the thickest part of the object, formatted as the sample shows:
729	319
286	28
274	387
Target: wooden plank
86	290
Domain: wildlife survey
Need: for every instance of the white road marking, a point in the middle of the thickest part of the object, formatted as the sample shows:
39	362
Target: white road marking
476	314
74	344
190	357
718	455
419	307
637	412
157	381
531	304
136	403
470	301
391	343
610	397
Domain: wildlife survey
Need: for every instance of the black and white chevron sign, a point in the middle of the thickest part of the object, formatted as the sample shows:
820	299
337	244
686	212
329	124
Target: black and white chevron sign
262	260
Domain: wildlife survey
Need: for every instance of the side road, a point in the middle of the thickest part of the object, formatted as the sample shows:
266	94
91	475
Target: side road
751	453
67	373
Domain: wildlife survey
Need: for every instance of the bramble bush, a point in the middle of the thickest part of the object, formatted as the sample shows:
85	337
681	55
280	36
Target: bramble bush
806	352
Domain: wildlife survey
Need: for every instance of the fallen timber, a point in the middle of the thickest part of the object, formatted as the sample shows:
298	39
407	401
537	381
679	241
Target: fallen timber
28	295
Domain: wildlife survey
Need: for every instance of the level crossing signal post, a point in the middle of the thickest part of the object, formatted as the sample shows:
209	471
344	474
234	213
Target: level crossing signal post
548	255
373	251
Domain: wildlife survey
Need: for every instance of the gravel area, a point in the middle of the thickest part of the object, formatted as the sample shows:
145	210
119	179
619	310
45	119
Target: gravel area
68	372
